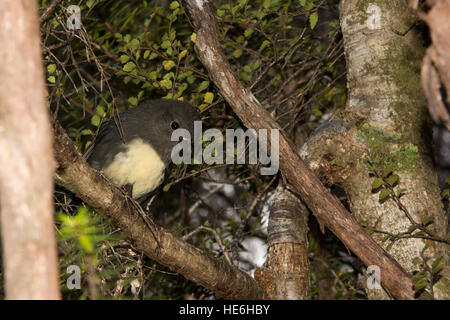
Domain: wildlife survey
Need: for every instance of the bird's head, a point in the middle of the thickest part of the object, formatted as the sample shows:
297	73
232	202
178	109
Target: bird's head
161	118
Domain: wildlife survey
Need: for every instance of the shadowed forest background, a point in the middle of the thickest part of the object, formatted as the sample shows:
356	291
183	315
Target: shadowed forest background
363	127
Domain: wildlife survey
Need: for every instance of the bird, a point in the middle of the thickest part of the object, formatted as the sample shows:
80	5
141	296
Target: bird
139	159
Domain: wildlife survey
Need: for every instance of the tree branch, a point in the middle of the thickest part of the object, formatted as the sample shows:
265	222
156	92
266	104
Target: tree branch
320	201
76	175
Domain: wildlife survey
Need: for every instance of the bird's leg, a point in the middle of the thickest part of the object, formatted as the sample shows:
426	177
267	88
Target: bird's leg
149	203
128	189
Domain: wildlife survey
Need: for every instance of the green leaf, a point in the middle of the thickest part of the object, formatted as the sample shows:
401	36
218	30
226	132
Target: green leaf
182	54
400	192
174	5
393	179
437	265
425	248
445	193
309	5
419	285
165	44
384	194
264	45
134	44
313	18
202	107
418	276
245	76
176	12
51	68
387	171
416	261
124	58
51	79
259	14
209	97
166	83
427	220
190	79
411	228
302	2
86	243
86	132
256	64
203	86
235	9
100	111
172	35
237	53
90	3
248	32
377	183
247	69
168	65
95	120
129	66
133	101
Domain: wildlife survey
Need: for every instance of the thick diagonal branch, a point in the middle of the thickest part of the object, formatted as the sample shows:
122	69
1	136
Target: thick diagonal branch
74	174
320	201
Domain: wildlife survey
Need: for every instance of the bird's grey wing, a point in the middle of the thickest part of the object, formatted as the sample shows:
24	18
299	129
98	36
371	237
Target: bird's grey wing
106	144
100	135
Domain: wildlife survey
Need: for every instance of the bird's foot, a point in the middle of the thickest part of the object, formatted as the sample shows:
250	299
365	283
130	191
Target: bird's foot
128	190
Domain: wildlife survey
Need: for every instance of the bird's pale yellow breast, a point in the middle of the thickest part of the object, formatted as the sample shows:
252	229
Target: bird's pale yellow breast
140	165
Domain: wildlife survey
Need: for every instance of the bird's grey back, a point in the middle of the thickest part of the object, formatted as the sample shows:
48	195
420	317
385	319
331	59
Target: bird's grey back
142	122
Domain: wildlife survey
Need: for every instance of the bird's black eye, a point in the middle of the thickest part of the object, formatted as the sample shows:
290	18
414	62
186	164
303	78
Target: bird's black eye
174	125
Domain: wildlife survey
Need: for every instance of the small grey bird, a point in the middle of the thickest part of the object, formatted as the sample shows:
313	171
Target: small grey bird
140	163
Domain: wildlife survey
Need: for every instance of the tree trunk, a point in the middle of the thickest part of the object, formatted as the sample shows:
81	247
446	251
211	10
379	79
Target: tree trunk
319	200
26	159
286	274
385	124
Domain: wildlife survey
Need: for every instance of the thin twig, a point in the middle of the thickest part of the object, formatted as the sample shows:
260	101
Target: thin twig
216	236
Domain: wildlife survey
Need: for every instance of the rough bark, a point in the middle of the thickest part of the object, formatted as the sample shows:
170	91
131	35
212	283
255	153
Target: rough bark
77	176
320	201
385	121
26	161
286	273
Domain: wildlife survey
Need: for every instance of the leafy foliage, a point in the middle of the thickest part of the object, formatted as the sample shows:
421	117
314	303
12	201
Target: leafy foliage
288	52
